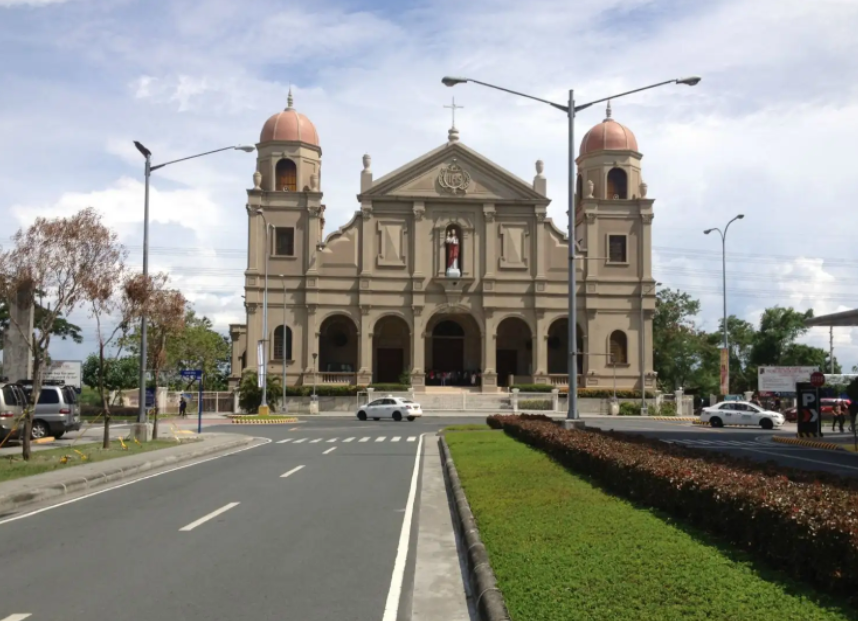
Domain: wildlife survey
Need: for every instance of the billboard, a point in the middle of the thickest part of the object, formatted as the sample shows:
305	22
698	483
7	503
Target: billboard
782	379
68	371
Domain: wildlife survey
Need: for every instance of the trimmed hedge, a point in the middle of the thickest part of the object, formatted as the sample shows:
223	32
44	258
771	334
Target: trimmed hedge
535	404
667	408
628	408
327	390
96	410
805	523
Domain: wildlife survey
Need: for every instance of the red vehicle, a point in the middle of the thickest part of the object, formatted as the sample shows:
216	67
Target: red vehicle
827	406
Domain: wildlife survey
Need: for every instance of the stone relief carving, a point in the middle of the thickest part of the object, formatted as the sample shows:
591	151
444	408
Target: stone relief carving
590	187
257	180
646	218
454	179
366	212
419	211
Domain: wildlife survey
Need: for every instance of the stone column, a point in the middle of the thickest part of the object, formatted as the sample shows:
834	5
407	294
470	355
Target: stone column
367	238
17	353
646	246
540	350
490	377
418	350
539	247
365	348
490	237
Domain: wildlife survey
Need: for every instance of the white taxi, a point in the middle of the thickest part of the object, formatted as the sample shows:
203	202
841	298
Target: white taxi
390	407
741	413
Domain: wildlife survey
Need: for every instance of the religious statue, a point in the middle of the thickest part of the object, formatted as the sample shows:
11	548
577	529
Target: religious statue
452	243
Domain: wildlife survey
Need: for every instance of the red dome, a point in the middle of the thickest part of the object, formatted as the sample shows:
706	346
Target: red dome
290	125
608	136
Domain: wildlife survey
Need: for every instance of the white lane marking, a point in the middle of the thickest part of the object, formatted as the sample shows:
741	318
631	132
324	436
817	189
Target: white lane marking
316	440
294	429
18	617
126	483
411	438
332	440
391	607
364	439
333	448
348	439
792	456
285	441
208	517
301	440
395	438
381	438
292	471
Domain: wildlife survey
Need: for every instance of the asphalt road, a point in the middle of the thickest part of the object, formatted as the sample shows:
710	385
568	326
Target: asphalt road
753	443
306	526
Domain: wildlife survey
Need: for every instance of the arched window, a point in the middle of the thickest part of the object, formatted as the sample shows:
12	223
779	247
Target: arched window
619	348
448	328
278	343
287	176
617	184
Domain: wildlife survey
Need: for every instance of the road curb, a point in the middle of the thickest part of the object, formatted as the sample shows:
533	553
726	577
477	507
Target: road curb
75	483
682	419
829	446
488	599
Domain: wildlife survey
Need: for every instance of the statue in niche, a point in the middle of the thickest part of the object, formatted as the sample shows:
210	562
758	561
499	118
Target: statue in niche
452	245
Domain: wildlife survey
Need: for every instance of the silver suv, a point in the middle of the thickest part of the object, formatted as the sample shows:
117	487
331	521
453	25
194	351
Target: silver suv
57	411
12	400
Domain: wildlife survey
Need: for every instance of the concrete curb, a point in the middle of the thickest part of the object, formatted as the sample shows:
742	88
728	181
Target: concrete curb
279	421
829	446
681	419
111	473
488	599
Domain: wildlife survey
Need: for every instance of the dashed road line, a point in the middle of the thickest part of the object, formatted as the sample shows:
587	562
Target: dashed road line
301	440
333	448
348	439
208	517
291	472
395	438
18	616
285	441
381	438
412	438
332	440
366	439
316	440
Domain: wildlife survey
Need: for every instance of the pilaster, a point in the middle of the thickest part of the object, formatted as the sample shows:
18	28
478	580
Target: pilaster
490	236
489	338
540	349
365	347
367	238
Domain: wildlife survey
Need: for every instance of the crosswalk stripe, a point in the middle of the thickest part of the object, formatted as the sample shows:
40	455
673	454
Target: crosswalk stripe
332	440
301	440
316	440
412	438
396	438
364	439
381	438
285	441
348	439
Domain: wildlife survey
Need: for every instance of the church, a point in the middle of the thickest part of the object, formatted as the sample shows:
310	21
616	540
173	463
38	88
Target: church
450	272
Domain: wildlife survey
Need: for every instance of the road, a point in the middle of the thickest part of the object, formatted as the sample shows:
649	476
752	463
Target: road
306	526
753	443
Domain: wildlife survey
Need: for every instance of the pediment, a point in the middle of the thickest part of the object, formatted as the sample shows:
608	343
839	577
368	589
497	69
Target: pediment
453	171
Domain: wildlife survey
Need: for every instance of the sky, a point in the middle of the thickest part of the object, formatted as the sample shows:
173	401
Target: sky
766	133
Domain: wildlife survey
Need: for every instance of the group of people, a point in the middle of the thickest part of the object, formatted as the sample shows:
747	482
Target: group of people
452	378
838	413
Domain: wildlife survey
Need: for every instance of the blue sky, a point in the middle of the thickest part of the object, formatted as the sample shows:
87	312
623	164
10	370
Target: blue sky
767	133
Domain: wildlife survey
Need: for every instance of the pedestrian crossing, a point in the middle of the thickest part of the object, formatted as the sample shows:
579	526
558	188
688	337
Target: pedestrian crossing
347	440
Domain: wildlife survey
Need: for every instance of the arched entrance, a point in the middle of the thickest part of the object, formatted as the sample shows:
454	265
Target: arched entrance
558	346
514	351
453	352
391	349
338	345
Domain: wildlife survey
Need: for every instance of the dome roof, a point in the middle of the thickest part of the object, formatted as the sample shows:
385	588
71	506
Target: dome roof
608	136
289	125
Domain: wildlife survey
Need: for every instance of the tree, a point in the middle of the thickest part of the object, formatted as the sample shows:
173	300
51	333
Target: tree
679	347
121	373
199	346
64	259
250	394
779	328
61	328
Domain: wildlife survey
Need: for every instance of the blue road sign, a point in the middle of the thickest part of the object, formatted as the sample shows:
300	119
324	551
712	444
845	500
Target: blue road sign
150	397
194	374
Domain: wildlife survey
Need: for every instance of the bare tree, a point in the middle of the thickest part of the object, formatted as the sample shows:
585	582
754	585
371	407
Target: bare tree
64	259
165	316
118	298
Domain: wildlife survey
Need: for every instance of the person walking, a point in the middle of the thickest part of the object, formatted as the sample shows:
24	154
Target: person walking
183	406
853	414
838	417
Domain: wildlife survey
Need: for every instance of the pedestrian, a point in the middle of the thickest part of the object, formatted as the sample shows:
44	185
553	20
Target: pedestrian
838	417
183	406
853	413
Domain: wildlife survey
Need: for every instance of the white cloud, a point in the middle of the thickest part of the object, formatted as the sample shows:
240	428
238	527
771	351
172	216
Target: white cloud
13	3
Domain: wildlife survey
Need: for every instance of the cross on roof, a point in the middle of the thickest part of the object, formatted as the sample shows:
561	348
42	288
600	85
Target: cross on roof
454	107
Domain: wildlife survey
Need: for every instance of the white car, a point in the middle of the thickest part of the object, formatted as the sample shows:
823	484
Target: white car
741	413
390	407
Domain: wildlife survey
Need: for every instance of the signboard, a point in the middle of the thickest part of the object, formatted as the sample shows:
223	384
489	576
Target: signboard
809	412
68	371
817	379
725	371
782	379
150	397
192	374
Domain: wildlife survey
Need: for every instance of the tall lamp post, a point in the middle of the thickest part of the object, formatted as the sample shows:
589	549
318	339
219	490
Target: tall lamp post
284	408
725	361
571	110
263	407
140	430
643	347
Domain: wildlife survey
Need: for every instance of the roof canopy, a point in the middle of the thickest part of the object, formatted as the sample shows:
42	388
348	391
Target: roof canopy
845	318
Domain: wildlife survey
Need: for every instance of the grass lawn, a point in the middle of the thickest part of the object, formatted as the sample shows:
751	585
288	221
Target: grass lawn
14	467
468	427
564	550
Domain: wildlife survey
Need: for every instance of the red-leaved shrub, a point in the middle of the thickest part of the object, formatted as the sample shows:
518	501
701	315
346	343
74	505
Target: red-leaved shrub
804	523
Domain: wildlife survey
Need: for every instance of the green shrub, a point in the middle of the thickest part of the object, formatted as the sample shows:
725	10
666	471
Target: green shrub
606	393
325	390
250	395
799	521
667	408
91	411
628	408
533	387
535	404
390	387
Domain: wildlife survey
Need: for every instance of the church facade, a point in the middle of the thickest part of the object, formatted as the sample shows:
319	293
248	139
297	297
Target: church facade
450	272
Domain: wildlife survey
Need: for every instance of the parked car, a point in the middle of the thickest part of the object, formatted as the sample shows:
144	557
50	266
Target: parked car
827	403
12	400
390	407
741	413
57	410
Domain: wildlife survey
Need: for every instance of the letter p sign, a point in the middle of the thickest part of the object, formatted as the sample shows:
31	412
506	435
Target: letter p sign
808	398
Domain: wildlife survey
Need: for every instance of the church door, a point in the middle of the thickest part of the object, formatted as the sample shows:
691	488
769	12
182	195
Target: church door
390	365
448	354
507	365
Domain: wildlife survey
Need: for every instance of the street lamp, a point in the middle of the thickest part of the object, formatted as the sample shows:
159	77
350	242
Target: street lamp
147	172
570	109
725	380
283	361
315	355
643	347
263	407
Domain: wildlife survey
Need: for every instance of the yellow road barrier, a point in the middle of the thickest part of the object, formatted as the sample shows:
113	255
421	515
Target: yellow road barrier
818	444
